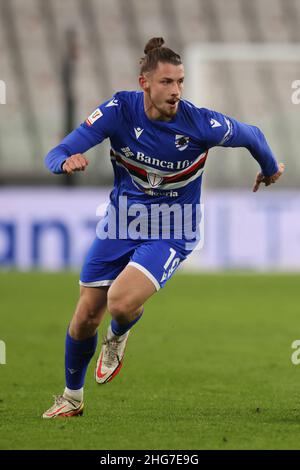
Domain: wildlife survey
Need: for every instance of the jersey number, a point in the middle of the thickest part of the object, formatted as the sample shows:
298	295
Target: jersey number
175	262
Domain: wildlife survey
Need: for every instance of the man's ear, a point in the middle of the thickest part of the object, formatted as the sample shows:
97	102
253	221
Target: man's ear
144	83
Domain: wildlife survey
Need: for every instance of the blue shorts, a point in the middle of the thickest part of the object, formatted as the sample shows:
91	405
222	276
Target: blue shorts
106	259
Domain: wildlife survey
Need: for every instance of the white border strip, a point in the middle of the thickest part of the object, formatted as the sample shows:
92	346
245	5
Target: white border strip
96	283
146	272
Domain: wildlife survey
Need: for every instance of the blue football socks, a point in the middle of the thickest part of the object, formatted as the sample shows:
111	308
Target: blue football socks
119	329
77	358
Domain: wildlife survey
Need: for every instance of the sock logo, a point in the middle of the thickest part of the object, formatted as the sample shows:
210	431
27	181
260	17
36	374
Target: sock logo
72	371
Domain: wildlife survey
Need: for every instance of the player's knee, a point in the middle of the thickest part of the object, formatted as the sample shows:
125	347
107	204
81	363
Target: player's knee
88	311
85	318
120	309
91	319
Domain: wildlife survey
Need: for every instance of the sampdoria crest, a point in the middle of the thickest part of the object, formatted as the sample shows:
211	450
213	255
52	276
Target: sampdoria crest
181	142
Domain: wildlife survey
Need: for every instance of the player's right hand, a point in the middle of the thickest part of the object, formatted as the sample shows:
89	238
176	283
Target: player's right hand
76	162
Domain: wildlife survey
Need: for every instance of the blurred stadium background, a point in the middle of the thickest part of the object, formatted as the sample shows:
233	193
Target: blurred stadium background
102	41
58	60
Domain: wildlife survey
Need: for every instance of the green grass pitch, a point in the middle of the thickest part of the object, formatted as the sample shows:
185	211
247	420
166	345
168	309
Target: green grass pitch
207	367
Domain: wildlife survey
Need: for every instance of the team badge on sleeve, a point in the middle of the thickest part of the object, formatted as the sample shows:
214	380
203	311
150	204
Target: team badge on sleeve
94	116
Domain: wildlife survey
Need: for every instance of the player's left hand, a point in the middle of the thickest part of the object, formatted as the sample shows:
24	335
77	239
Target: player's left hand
260	178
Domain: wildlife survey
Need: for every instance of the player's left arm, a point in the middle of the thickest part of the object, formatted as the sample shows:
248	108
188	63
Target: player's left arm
228	132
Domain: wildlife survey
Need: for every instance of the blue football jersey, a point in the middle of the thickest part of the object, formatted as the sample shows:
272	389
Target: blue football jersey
159	161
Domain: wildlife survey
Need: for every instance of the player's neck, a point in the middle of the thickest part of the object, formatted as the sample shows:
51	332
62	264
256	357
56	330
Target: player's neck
152	112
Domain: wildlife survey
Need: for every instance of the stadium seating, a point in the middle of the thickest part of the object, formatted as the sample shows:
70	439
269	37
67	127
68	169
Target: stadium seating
109	38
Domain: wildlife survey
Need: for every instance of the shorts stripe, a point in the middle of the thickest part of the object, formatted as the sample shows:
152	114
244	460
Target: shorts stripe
96	283
146	272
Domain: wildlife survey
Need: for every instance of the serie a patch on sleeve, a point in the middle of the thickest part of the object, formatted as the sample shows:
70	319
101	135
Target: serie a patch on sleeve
94	116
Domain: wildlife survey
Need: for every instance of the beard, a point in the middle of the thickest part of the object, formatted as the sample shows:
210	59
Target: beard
162	109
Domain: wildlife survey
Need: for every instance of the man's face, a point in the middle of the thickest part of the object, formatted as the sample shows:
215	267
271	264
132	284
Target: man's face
164	87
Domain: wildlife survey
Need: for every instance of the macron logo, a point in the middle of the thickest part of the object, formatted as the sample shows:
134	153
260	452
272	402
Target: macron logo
215	123
113	102
138	131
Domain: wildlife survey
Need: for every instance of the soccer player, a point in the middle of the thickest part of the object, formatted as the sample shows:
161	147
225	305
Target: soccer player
159	145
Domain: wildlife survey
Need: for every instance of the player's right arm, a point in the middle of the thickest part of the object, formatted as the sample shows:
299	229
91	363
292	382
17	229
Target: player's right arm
77	162
67	157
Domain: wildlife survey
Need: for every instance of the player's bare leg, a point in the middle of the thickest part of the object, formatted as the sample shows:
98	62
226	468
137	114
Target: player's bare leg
81	344
89	312
125	300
